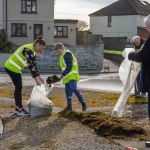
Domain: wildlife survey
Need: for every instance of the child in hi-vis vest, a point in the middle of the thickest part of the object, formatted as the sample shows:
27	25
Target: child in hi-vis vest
70	75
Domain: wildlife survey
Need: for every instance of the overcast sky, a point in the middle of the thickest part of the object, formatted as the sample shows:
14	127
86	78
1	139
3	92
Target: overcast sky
79	9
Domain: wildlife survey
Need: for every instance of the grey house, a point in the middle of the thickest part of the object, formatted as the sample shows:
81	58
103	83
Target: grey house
24	20
65	31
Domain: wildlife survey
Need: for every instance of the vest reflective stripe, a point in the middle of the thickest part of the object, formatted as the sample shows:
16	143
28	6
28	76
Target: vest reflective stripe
21	60
74	64
75	72
140	48
16	65
17	61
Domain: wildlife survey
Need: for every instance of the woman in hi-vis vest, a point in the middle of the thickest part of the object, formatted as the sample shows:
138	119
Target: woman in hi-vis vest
24	57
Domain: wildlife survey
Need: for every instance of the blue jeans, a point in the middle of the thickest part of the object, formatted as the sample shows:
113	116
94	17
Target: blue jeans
138	85
70	88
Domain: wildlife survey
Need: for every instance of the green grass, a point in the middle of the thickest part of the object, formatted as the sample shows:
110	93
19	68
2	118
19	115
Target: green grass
117	52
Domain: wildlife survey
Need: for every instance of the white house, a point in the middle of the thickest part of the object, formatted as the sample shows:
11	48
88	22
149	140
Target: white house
119	19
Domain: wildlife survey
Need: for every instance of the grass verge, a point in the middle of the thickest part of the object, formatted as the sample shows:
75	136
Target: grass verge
117	52
93	98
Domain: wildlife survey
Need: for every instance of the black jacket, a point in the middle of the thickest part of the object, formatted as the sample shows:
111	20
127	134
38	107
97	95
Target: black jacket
144	57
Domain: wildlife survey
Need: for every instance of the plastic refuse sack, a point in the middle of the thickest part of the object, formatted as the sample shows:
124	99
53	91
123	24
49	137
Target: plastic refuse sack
125	65
129	72
38	104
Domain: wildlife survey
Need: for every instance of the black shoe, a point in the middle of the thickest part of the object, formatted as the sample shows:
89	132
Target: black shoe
138	96
84	107
21	112
68	109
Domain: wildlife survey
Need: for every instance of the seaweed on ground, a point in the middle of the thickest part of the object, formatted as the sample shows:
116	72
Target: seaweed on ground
106	125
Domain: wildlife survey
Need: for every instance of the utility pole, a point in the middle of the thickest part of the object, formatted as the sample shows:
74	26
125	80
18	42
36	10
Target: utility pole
6	17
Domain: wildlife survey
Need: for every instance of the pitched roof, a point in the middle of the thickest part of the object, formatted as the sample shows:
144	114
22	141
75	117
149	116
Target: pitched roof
143	28
65	21
124	7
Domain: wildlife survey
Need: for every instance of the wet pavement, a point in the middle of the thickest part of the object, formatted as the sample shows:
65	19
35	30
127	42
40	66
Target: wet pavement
102	82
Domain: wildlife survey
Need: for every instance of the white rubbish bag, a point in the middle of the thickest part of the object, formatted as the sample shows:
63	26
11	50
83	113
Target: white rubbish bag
125	65
38	104
128	73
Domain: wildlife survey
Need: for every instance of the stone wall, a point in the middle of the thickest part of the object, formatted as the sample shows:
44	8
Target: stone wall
86	38
114	43
114	57
90	59
3	58
110	43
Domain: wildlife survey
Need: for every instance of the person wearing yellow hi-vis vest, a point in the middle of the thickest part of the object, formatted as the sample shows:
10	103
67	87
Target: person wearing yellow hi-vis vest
24	57
70	75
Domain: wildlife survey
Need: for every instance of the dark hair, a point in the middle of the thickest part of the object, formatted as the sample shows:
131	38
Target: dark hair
59	46
40	40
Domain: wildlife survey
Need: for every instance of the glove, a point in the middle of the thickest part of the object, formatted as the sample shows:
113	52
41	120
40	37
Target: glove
53	79
130	56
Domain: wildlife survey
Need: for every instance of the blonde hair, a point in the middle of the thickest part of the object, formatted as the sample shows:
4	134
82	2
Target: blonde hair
59	46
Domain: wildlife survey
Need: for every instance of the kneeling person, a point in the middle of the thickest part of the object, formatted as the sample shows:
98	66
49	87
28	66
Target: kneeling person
70	75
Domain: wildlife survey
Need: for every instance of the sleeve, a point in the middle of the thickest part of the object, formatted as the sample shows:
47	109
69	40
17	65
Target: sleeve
68	62
143	55
31	62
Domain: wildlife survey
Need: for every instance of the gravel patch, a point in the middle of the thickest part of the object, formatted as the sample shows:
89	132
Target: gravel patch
48	133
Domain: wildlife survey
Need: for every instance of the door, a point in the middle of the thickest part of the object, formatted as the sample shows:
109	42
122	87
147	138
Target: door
38	30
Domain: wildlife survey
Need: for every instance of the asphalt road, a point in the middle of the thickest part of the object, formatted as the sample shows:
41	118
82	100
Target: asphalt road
103	82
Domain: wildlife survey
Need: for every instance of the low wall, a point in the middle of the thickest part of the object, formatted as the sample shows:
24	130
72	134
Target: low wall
90	59
114	57
115	43
3	58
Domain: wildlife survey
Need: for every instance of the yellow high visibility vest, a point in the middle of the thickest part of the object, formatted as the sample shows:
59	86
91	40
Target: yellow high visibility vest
17	61
74	73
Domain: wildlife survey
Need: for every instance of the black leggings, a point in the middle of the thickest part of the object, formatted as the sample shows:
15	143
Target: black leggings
17	80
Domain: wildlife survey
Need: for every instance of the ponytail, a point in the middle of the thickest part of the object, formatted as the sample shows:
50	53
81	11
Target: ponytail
40	41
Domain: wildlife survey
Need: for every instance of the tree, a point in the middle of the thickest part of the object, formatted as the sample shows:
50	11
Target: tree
82	25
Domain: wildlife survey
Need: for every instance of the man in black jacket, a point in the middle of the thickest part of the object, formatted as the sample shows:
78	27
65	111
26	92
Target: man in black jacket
143	56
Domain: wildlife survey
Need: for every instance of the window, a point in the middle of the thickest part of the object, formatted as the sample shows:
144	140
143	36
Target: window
29	6
18	30
109	21
61	31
